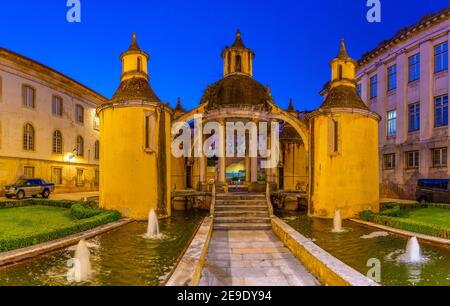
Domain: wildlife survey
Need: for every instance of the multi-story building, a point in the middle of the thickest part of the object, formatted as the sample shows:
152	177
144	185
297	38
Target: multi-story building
48	126
405	79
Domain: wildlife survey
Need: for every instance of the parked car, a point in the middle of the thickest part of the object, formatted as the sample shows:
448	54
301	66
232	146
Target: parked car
433	191
29	188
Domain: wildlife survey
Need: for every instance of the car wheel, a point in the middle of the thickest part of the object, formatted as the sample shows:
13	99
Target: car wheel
46	194
20	195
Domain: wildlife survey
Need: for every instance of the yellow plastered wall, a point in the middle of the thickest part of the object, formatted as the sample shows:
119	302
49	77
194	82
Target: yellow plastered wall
130	64
346	180
348	69
295	167
129	172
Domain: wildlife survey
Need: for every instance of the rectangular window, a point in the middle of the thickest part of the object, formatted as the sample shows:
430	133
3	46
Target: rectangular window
441	111
412	159
374	87
28	96
389	161
392	123
414	68
96	122
150	129
392	77
79	113
80	177
414	117
57	176
57	106
360	90
439	157
28	172
441	57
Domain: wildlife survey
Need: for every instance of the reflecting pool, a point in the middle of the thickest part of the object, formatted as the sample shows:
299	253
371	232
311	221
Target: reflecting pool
124	257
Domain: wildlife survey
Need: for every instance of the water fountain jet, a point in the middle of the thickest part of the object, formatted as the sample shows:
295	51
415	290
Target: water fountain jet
413	252
153	226
82	271
337	222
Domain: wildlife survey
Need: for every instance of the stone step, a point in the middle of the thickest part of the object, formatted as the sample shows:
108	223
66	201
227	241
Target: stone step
220	220
242	207
241	213
240	202
242	226
240	197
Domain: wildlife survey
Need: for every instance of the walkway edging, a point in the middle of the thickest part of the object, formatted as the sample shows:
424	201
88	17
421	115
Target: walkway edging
400	232
189	270
19	255
326	268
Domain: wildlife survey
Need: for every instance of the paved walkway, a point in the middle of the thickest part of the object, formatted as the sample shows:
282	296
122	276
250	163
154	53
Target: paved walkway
70	196
252	258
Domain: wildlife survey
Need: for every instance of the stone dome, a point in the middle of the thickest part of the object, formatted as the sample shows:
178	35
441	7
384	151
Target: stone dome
235	91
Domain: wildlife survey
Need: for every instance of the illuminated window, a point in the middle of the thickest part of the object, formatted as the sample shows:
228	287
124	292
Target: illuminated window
96	122
392	123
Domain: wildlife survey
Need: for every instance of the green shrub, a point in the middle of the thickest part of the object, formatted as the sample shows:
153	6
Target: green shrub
81	226
79	212
413	226
44	202
396	212
366	215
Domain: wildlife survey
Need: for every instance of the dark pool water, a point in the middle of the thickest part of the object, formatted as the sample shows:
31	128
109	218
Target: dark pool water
119	258
350	248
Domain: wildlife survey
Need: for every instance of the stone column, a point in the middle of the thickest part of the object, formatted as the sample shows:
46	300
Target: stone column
222	157
247	160
254	159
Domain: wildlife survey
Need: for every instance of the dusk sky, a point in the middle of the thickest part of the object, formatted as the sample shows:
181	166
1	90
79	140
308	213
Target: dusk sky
293	40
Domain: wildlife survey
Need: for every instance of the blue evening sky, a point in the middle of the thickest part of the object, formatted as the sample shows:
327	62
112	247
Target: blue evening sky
293	40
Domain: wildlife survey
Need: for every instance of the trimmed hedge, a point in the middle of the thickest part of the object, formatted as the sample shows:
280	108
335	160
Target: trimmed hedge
81	226
80	212
366	215
413	226
43	202
396	211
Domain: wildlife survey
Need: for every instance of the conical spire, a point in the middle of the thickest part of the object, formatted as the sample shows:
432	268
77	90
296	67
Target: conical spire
238	43
291	106
134	45
343	51
179	107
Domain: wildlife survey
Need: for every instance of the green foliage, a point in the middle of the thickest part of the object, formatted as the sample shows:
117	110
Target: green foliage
414	226
396	211
45	202
366	215
49	233
80	212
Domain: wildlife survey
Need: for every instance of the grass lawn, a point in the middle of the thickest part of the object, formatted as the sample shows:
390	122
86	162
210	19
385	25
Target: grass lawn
436	216
27	221
25	226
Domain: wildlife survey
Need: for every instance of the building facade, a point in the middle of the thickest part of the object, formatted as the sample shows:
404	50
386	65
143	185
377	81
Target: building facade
405	80
48	126
321	156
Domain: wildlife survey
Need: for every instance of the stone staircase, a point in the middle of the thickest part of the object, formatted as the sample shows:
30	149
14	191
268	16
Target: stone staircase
241	212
